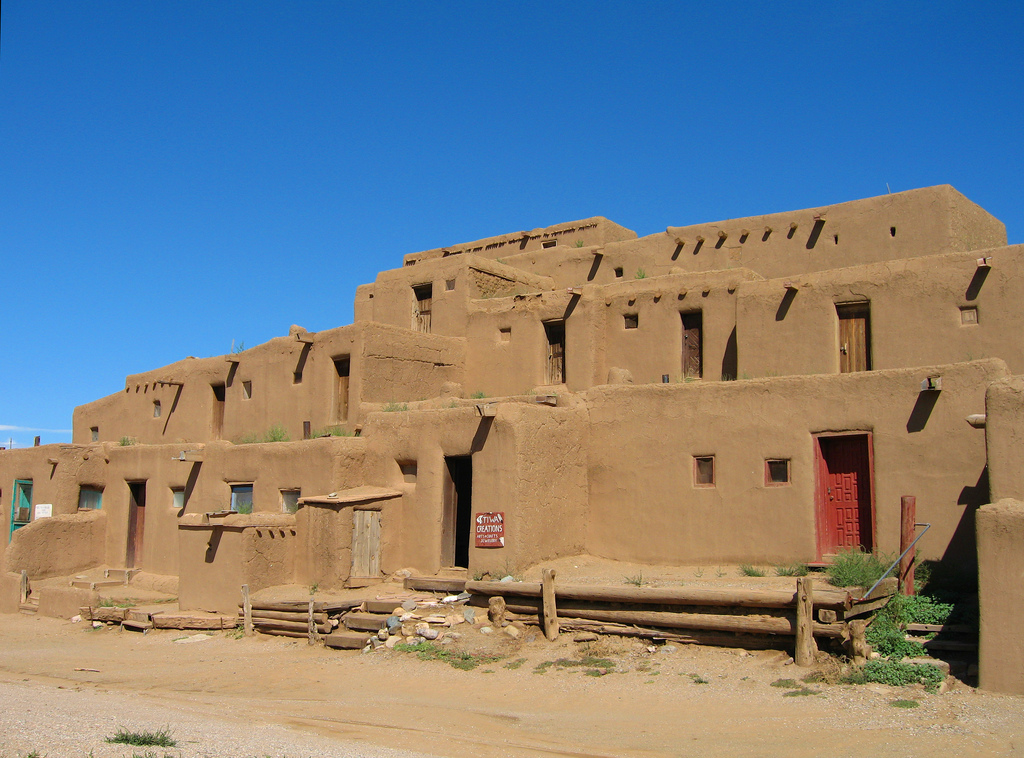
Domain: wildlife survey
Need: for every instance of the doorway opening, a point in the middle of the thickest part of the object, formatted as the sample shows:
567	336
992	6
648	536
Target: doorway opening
854	337
555	370
136	523
217	424
21	505
693	345
342	367
457	516
845	493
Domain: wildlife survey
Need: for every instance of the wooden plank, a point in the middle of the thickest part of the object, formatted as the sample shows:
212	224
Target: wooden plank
722	639
141	626
186	621
373	539
550	613
23	590
834	599
805	647
439	584
299	606
318	617
246	610
364	622
885	588
108	614
311	629
953	645
295	626
360	544
347	640
382	606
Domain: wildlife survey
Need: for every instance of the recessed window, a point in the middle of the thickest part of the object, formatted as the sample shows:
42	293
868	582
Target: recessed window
90	498
505	334
631	320
618	272
241	498
704	470
290	500
968	316
156	409
776	471
94	433
246	390
449	284
549	243
177	498
408	469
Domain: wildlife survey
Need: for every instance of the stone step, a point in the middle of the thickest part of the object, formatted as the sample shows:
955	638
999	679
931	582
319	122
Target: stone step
365	622
30	608
345	640
136	626
123	576
85	584
435	584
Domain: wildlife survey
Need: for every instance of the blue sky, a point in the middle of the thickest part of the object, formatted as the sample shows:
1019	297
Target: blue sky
175	176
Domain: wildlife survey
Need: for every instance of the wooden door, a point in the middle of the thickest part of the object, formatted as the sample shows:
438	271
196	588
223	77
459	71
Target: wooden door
342	366
136	523
366	544
421	315
854	337
555	370
845	501
692	344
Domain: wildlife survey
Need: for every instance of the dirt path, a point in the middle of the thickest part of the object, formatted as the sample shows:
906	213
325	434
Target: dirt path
274	697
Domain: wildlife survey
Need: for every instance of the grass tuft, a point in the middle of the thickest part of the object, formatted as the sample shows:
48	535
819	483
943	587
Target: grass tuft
904	703
791	569
393	407
748	570
636	581
427	651
855	568
159	738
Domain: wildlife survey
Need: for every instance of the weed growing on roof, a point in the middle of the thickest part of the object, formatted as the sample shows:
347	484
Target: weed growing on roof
393	407
478	395
332	431
159	738
126	441
748	570
641	274
636	581
855	568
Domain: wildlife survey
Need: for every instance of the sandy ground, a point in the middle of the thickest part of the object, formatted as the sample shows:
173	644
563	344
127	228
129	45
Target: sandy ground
271	696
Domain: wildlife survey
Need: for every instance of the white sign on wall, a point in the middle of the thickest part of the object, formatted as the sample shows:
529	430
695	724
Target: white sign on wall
43	510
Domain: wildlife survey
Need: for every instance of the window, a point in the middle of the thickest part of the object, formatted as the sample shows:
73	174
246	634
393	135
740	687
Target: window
704	471
246	390
618	272
290	500
968	316
449	284
156	409
94	433
408	469
549	243
776	471
241	498
505	334
89	498
177	498
631	320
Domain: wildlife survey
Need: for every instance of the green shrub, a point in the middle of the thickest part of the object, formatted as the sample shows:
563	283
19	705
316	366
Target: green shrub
897	674
126	441
748	570
393	407
855	568
641	274
332	431
479	395
904	703
276	433
159	738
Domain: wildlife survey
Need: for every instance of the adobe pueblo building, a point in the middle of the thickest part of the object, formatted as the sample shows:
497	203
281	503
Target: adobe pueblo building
757	390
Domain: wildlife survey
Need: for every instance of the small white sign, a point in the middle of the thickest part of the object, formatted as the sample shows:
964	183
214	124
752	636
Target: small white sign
43	510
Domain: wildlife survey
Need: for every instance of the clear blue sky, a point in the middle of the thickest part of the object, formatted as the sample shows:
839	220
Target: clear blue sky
178	175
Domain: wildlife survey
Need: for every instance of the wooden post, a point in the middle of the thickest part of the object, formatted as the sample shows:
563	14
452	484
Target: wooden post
306	434
908	516
548	597
859	648
310	623
246	611
24	587
496	610
805	647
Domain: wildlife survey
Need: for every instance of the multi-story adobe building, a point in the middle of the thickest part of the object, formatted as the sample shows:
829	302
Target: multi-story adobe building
757	390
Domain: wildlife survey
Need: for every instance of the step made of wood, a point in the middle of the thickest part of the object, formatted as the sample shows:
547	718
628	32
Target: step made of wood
137	626
347	640
435	584
383	606
365	622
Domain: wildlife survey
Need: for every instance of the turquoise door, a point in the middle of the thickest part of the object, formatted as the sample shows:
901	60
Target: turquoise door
21	504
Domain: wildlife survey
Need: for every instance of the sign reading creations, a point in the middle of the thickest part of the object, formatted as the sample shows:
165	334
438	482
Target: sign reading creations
490	530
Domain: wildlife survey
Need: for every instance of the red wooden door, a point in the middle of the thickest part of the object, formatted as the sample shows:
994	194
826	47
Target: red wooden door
844	494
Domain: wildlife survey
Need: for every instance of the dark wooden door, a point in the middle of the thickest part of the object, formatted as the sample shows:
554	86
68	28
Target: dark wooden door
342	367
421	315
692	344
854	337
844	494
136	523
555	333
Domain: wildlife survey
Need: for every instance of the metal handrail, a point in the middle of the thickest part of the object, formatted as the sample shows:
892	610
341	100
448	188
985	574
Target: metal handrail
897	561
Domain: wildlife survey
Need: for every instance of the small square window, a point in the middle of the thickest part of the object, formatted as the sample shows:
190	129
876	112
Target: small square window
409	470
505	334
241	498
449	284
94	433
549	243
90	498
177	498
704	471
968	316
618	272
290	500
631	320
157	410
246	390
776	471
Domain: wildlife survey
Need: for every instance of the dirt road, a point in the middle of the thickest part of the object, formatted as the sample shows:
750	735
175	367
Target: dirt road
274	697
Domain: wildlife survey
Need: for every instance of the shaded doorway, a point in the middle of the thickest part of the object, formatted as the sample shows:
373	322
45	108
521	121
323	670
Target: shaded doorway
693	344
136	523
854	337
554	373
457	517
217	424
424	305
845	493
342	367
21	505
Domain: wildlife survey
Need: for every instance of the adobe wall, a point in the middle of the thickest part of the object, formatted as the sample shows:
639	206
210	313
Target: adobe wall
915	314
1004	434
1001	596
63	544
645	507
586	232
400	365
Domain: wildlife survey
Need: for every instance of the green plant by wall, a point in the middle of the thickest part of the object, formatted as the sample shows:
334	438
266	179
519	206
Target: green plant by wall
126	441
747	569
332	431
579	243
393	407
791	569
478	395
897	674
641	274
855	568
276	433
